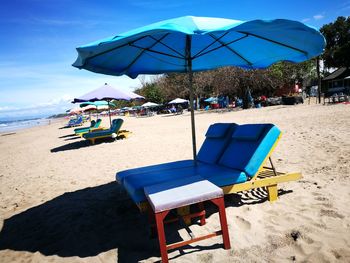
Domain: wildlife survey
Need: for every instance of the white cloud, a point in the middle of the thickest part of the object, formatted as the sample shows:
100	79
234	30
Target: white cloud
318	17
49	88
305	20
44	83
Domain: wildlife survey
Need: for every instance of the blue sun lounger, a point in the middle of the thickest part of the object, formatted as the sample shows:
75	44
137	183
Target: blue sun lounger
217	138
75	122
93	126
236	163
107	133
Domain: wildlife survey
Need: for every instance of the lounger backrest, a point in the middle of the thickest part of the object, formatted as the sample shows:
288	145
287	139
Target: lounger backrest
97	124
217	138
93	123
116	124
249	147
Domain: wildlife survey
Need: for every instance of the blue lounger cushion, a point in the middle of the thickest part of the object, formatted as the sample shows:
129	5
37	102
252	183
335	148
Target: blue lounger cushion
217	138
247	153
158	167
218	175
249	132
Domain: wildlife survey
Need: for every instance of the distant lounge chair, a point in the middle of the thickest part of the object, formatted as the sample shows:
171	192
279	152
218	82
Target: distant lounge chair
232	157
113	132
93	126
75	122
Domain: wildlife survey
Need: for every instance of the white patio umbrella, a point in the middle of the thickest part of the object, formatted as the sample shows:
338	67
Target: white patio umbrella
149	104
177	101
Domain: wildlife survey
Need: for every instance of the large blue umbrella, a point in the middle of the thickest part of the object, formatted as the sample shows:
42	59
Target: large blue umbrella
188	44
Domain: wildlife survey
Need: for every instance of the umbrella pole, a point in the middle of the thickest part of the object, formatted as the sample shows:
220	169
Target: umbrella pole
190	87
109	114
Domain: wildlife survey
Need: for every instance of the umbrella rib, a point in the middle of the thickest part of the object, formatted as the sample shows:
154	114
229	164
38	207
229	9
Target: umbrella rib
162	60
232	50
229	43
142	51
274	41
175	51
114	48
198	53
157	52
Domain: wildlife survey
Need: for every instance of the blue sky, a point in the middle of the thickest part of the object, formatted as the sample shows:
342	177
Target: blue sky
38	40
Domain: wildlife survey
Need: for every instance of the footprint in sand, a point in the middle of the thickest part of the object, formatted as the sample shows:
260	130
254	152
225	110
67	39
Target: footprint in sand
319	198
242	223
331	213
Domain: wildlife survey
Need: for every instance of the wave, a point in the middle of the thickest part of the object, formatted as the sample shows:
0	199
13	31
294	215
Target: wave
21	124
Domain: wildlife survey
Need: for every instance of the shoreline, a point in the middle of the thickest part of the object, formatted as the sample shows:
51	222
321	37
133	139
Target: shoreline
30	124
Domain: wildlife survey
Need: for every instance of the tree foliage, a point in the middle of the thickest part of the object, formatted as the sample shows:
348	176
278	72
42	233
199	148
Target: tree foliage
337	51
152	92
229	81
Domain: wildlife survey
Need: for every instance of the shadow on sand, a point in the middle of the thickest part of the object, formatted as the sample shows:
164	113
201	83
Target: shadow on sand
94	220
67	136
79	144
83	223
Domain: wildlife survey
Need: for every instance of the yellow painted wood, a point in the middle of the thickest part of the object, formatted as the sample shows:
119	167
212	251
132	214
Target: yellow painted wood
143	207
182	211
124	133
272	193
261	182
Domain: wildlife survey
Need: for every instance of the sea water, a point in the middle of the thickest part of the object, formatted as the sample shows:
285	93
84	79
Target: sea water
14	125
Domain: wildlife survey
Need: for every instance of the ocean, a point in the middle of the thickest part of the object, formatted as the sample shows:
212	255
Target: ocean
14	125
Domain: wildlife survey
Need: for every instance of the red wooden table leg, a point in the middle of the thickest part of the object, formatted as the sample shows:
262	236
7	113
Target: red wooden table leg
219	202
202	218
161	235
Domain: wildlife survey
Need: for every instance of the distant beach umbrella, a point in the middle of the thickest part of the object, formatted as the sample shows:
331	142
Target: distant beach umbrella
178	101
76	110
188	44
100	105
150	104
211	99
104	93
134	96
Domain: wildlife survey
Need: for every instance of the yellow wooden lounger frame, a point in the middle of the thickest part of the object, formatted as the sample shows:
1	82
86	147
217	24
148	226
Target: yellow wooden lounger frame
265	177
121	134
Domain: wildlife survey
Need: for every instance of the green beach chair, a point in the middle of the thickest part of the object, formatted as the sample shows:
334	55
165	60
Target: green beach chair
94	125
113	132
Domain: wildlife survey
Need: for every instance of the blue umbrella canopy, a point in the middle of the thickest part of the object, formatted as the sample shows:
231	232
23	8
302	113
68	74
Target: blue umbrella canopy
215	42
188	44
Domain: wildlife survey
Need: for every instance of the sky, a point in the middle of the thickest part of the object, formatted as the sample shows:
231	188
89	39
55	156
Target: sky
38	40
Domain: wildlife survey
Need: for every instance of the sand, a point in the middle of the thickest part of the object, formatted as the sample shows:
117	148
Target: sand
59	201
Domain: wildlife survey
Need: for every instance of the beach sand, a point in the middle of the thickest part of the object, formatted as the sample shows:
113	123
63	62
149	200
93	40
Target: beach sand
59	201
